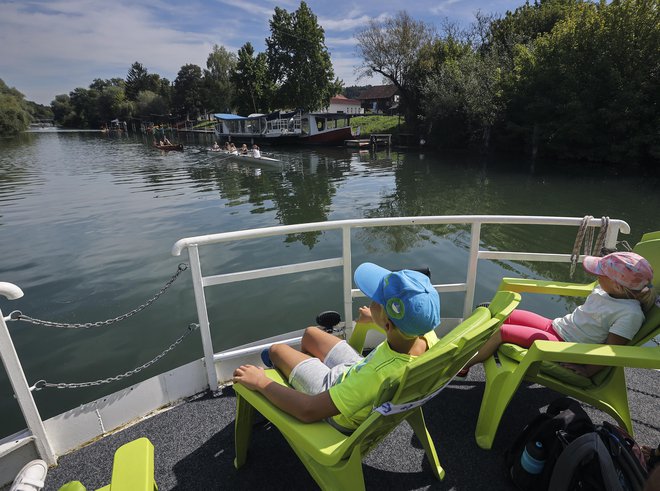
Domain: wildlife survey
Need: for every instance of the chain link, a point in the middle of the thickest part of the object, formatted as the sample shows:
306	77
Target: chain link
42	384
17	315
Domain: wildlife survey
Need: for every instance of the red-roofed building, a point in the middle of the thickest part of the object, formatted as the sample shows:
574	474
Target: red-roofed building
381	99
341	104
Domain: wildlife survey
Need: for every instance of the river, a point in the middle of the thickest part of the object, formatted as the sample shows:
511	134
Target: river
87	222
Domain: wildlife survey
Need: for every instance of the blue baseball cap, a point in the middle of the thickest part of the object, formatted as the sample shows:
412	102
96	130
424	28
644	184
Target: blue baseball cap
408	297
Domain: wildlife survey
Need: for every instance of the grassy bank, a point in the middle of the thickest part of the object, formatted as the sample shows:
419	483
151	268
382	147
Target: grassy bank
377	124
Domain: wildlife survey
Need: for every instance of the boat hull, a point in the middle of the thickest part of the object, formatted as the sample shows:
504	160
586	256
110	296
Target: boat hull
168	148
248	158
328	137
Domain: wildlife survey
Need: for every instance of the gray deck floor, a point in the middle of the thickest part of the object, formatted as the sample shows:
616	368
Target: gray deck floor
194	444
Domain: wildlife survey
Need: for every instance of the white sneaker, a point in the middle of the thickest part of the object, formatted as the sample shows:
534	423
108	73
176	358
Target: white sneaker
31	477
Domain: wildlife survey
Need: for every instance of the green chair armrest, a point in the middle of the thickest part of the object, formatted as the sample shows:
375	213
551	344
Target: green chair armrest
73	486
594	354
133	467
503	303
359	334
318	439
547	287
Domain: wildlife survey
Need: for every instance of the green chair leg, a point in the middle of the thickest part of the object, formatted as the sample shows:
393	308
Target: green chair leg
416	421
501	384
245	414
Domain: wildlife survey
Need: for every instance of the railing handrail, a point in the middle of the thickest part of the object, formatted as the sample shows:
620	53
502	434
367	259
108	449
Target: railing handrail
199	240
200	282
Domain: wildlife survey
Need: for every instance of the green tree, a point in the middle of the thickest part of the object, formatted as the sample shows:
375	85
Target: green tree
298	60
188	88
149	105
62	108
219	90
392	48
14	116
462	98
139	79
254	90
589	89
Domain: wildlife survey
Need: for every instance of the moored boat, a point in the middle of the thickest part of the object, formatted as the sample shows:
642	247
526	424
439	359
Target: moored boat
193	404
325	128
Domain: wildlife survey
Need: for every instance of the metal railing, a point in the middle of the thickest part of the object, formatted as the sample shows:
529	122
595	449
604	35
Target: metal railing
200	282
21	387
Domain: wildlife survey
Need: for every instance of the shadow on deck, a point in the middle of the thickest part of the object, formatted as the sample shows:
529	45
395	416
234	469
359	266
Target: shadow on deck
194	444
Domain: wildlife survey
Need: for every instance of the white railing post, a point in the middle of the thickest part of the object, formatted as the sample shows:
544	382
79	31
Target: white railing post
348	279
471	277
19	382
203	316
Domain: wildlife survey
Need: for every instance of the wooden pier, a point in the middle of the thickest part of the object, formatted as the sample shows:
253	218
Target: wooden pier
375	140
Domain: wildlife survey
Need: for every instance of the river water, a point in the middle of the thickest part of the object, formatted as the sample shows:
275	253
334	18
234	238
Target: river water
87	222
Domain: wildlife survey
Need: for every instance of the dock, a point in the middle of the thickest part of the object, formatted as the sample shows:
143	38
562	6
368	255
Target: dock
374	141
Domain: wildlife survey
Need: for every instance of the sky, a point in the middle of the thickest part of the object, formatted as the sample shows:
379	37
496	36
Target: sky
51	47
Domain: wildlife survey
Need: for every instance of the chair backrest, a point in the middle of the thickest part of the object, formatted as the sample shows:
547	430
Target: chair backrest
650	250
432	370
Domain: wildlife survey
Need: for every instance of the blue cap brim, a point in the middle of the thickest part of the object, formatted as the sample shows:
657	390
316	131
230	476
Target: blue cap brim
368	278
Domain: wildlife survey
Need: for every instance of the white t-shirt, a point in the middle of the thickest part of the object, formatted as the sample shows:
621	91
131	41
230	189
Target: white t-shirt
600	315
256	153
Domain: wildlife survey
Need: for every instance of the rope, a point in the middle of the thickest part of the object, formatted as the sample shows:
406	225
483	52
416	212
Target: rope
42	384
17	315
585	239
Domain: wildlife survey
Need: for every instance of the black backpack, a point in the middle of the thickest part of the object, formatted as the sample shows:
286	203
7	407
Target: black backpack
579	456
606	459
564	421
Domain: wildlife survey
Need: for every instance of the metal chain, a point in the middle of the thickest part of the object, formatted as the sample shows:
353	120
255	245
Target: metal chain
42	384
17	315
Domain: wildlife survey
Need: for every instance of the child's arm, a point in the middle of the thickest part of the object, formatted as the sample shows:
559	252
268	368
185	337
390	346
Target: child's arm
365	315
591	370
306	408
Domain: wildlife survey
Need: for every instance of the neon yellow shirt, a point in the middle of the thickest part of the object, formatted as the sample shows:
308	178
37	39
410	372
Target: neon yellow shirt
354	394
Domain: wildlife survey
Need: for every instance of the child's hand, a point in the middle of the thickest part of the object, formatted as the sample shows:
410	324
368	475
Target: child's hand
365	315
250	376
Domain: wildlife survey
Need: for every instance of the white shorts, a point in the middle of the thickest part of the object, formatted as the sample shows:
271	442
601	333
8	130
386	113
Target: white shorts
313	376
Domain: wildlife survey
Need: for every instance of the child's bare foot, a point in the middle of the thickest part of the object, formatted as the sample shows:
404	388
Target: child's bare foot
365	315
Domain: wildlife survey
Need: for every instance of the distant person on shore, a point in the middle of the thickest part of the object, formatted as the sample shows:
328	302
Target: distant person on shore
244	149
255	151
216	146
232	149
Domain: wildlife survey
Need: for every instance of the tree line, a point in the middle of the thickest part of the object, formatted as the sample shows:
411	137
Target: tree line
573	79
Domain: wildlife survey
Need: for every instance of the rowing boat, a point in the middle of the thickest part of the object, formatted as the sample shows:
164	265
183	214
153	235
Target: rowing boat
247	158
167	148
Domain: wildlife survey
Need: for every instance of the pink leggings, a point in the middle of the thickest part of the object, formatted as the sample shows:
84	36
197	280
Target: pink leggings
524	327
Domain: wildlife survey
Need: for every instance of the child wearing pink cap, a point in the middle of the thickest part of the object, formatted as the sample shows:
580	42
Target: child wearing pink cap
612	313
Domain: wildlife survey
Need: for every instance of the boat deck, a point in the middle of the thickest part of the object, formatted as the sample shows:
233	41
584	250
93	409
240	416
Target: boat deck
194	443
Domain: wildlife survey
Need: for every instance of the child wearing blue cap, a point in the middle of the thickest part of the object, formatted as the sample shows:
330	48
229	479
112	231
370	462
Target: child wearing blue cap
333	382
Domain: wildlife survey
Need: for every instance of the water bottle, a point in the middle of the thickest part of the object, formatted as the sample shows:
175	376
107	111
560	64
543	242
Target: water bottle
525	472
533	458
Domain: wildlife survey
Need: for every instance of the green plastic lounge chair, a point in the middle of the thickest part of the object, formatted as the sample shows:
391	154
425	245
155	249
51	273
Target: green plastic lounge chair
606	390
334	459
132	469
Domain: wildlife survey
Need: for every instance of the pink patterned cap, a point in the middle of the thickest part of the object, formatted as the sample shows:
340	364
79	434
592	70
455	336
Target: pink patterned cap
626	268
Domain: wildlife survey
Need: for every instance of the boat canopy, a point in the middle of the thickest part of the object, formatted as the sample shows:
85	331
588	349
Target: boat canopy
228	116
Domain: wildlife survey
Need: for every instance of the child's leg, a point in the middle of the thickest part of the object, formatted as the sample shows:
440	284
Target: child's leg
535	327
526	318
317	342
285	358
